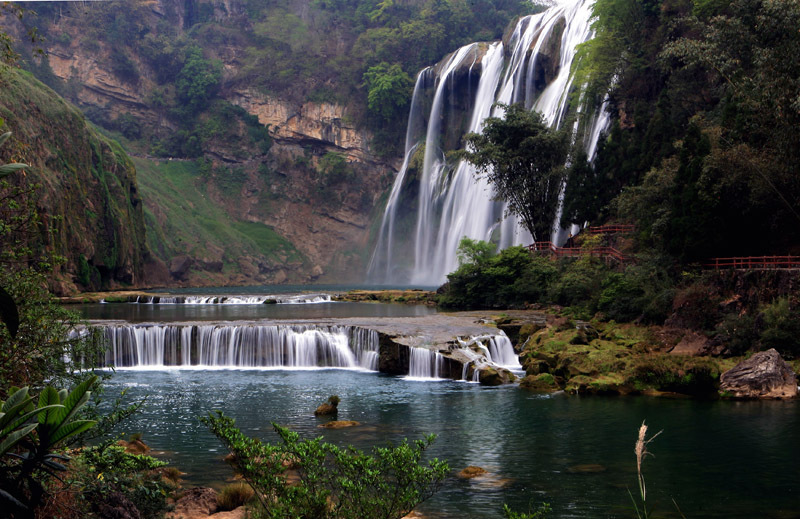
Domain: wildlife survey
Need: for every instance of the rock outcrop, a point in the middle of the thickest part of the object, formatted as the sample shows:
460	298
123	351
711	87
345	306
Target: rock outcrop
764	375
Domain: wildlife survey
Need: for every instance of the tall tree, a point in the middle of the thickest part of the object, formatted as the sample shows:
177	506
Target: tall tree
524	160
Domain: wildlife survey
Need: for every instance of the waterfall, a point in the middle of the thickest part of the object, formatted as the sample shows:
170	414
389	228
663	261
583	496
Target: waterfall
233	299
442	202
424	363
240	346
496	348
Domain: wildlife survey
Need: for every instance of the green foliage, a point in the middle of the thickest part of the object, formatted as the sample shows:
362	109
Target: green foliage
333	482
23	475
509	279
475	252
524	160
107	469
389	90
197	82
782	328
539	513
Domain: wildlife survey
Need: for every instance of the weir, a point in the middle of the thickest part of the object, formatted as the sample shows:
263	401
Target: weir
240	346
232	299
157	346
434	203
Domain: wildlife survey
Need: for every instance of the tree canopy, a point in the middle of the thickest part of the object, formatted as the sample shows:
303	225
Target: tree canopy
524	161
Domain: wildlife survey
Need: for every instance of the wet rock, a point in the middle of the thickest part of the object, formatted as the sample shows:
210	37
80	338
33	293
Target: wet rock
472	472
493	376
329	408
339	424
134	446
764	375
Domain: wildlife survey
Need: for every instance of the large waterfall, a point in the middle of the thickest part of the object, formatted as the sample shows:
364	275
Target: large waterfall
434	203
240	346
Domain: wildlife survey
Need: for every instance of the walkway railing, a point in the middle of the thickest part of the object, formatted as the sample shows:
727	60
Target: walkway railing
609	229
754	262
599	252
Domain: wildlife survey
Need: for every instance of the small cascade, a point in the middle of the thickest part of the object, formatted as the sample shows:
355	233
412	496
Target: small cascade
240	346
437	202
501	351
425	364
286	299
487	350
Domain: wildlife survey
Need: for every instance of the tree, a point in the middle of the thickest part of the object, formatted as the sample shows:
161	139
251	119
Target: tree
389	89
197	81
524	160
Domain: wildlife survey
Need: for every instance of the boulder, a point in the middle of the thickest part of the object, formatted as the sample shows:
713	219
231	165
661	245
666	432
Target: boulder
492	376
195	502
764	375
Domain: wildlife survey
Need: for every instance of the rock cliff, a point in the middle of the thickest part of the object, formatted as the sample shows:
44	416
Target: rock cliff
88	202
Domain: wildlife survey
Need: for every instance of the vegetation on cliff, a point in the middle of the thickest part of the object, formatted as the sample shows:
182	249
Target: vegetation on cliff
82	185
703	155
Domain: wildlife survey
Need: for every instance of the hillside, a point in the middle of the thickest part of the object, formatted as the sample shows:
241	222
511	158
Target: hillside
89	201
288	118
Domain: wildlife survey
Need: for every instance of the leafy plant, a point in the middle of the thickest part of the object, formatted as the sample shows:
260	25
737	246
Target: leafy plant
331	481
23	476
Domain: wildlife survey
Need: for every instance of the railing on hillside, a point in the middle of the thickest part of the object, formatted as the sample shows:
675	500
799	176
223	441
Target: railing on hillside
599	252
609	229
754	262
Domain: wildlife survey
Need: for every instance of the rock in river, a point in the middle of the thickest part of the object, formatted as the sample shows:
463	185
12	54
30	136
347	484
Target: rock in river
764	375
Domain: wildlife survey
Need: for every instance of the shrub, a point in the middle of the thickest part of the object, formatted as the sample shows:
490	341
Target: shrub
782	328
233	496
333	482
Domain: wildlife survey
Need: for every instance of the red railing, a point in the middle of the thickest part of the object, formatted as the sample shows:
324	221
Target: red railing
609	229
754	262
600	252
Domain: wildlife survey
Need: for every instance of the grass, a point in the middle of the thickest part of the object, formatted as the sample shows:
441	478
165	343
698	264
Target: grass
181	219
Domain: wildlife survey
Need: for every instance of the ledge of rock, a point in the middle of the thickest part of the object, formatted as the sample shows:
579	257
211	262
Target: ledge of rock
764	375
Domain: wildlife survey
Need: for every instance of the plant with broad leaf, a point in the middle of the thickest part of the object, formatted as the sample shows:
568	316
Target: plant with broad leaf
29	436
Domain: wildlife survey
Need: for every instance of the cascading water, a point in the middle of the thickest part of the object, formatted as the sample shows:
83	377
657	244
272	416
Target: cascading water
240	346
232	300
424	363
486	350
450	203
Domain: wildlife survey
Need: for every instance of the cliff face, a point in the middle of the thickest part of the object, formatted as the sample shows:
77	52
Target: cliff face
322	210
89	201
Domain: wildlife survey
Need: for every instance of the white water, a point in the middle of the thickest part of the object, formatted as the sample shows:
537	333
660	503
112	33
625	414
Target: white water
157	346
424	364
451	202
233	299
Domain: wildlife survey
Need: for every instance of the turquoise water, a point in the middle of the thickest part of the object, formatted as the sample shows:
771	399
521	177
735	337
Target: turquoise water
714	458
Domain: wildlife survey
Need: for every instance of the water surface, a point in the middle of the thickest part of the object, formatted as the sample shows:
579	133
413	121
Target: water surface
715	458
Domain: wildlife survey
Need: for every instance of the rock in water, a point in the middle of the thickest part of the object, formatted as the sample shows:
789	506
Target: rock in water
764	375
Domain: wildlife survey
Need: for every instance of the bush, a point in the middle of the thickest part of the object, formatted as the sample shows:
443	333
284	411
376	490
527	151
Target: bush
782	328
333	482
233	496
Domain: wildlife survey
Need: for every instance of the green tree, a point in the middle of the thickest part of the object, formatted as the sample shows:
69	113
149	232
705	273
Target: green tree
389	90
333	482
198	80
524	161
